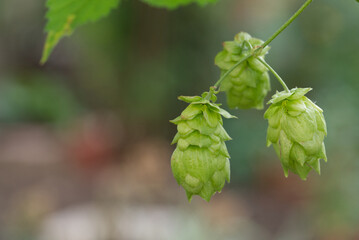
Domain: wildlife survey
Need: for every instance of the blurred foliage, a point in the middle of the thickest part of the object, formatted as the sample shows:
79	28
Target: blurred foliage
38	99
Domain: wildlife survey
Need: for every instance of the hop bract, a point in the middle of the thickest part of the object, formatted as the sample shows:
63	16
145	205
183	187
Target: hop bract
200	162
296	129
248	84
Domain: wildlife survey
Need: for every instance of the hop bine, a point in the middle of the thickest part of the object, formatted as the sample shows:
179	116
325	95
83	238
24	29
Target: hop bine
200	162
248	84
296	129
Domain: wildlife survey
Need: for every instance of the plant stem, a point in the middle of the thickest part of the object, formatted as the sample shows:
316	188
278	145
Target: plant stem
285	25
281	29
231	69
275	74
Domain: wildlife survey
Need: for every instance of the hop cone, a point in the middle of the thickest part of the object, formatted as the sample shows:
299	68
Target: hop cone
248	84
296	130
200	162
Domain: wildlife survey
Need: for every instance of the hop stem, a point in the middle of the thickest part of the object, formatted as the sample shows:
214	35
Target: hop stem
279	31
286	24
275	74
231	69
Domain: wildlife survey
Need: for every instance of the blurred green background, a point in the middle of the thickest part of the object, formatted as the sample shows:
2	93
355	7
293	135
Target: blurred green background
85	140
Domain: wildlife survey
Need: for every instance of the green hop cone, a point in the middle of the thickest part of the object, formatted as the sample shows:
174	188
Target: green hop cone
200	162
296	129
248	84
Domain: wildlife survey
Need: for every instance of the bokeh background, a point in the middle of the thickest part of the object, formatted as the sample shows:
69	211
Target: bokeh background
85	139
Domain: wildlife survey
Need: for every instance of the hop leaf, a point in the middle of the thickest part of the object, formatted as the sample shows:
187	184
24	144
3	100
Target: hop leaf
296	129
248	84
66	15
200	162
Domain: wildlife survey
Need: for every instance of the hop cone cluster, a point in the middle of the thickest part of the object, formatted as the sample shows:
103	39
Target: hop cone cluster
200	162
248	84
296	129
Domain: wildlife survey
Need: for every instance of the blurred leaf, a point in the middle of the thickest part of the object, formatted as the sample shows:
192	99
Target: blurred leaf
36	100
171	4
66	15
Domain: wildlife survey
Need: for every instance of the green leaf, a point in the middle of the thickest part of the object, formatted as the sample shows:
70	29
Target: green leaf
298	154
300	128
190	99
176	138
272	135
64	16
197	139
280	96
176	120
198	123
211	118
221	132
226	114
184	129
182	144
298	93
172	4
191	111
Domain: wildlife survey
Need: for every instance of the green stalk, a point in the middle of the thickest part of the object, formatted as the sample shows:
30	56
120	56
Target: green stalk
285	25
275	74
231	69
279	31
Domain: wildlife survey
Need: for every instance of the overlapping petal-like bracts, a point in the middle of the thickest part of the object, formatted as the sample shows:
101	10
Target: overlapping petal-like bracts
200	162
296	129
248	84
